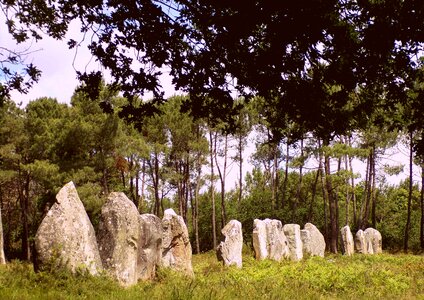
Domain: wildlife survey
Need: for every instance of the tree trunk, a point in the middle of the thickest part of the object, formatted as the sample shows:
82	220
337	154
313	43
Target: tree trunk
222	176
2	256
299	184
348	194
332	202
314	192
365	206
212	153
240	156
422	209
408	216
352	183
286	175
196	206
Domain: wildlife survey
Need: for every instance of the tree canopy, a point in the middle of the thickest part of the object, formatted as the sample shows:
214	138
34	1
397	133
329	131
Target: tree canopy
307	57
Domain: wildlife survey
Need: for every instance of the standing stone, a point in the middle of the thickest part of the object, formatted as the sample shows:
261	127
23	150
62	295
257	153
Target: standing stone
66	236
118	238
373	237
230	249
361	245
269	240
259	239
277	244
176	247
150	246
292	232
313	240
347	241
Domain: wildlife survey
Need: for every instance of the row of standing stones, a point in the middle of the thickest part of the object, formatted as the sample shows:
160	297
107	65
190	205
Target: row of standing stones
272	240
129	246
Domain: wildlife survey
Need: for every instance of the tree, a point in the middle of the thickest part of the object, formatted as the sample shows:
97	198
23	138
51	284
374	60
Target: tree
349	44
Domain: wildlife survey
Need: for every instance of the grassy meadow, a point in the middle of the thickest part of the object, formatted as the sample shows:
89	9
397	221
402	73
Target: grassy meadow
385	276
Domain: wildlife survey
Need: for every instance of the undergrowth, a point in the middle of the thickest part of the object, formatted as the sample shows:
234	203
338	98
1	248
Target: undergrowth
333	277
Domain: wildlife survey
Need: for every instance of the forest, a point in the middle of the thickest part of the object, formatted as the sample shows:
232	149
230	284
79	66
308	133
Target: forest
174	160
318	85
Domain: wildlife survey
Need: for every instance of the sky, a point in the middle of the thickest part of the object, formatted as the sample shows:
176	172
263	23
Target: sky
58	80
58	65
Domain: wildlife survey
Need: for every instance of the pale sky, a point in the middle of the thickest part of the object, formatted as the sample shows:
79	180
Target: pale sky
57	62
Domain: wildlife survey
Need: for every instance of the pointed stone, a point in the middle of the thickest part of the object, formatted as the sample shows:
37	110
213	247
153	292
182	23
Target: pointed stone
313	240
118	238
150	246
229	251
176	247
292	232
66	236
347	241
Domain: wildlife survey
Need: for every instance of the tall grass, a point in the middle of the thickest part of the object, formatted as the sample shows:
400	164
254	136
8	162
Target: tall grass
333	277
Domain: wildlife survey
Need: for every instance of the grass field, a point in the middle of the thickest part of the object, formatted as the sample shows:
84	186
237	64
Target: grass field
383	276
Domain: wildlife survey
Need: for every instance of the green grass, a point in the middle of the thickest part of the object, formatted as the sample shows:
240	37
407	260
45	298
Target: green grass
333	277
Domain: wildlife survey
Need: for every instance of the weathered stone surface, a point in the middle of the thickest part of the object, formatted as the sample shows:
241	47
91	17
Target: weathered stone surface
347	241
118	238
230	249
277	244
313	240
259	239
374	239
269	240
66	236
361	245
176	247
292	232
150	246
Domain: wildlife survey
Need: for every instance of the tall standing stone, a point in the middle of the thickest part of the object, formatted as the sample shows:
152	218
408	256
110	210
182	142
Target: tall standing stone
313	240
292	232
361	244
66	236
176	247
347	241
229	251
277	244
374	238
259	239
118	238
150	246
